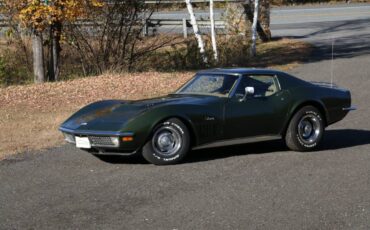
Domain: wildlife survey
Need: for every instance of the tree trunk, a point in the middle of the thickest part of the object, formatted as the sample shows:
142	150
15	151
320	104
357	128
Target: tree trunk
55	33
38	58
265	17
213	30
196	30
250	16
254	28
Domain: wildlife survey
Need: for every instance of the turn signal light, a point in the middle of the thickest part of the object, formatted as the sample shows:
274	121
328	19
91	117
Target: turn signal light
126	139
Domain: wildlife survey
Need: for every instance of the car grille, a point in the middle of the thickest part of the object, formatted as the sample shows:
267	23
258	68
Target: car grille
101	141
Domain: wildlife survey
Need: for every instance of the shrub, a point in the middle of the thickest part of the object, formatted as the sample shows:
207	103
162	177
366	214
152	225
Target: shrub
13	71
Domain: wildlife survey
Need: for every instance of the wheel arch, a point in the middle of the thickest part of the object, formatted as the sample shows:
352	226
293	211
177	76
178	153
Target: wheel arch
187	122
317	104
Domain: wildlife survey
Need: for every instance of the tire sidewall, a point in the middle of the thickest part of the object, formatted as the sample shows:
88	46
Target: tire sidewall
298	140
159	159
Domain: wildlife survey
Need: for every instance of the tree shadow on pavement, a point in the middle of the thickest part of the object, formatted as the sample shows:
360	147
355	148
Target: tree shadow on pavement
345	44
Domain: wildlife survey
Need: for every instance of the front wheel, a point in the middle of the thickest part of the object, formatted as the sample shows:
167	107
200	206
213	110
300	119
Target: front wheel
305	130
169	144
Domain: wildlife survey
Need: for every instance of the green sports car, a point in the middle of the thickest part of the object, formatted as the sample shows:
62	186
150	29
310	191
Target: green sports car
216	107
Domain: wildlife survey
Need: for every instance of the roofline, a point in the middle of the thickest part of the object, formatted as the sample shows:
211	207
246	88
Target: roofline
238	71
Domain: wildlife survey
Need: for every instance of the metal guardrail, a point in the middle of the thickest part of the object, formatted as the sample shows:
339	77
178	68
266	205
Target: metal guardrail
182	1
184	23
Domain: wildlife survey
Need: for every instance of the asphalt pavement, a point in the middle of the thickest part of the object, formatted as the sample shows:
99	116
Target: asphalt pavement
253	186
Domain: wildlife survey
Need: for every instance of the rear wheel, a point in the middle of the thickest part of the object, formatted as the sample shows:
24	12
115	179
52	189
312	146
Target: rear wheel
305	130
169	144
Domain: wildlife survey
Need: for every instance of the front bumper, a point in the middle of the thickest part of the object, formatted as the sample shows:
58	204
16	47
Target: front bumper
95	133
102	141
350	108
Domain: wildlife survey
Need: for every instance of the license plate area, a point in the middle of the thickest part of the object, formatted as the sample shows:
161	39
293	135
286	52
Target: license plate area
83	143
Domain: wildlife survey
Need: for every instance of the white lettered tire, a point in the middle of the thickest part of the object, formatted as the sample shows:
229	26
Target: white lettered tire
305	130
169	143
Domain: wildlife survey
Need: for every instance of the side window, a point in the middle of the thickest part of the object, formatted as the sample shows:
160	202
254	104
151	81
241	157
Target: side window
240	90
264	85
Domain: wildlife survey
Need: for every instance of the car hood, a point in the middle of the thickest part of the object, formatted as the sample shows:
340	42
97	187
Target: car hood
112	115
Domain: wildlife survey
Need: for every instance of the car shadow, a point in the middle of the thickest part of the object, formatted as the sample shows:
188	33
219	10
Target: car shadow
345	138
235	150
135	159
333	139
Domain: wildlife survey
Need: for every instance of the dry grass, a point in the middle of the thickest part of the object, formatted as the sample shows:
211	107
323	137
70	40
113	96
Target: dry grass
31	114
282	54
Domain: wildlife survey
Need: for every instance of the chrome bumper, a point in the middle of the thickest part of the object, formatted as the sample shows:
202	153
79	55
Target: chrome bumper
95	133
99	139
350	108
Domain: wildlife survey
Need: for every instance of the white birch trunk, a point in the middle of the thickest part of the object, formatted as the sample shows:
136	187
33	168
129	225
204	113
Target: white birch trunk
197	34
254	29
213	30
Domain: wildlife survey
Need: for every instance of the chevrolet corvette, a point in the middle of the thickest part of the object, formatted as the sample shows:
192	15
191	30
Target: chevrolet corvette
217	107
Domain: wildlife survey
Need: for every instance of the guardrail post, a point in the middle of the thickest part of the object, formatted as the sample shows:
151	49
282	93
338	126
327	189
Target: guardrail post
145	28
184	28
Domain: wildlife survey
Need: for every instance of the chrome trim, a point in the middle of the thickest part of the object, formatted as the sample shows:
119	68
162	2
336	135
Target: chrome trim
235	86
350	108
279	85
92	132
69	138
167	141
97	141
309	129
236	141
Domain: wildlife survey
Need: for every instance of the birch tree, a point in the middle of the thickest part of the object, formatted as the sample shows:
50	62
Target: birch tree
254	28
197	34
213	30
265	36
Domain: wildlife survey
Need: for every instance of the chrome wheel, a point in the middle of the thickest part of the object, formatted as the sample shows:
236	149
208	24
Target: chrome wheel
166	141
309	128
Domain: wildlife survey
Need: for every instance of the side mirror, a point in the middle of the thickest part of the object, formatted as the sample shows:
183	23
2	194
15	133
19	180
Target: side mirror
248	91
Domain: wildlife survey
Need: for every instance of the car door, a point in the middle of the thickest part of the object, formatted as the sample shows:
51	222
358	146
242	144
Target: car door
259	114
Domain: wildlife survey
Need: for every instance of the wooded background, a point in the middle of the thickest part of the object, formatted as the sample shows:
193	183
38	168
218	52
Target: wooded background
50	40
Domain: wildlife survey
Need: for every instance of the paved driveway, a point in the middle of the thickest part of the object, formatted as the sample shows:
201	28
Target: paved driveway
254	186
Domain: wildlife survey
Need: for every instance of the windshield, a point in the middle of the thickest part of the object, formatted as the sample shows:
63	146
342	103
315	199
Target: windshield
220	85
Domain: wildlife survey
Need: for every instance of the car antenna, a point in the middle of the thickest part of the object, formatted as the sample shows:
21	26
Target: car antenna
332	62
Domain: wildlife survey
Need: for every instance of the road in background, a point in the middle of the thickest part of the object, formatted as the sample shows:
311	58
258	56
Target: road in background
347	26
254	186
280	17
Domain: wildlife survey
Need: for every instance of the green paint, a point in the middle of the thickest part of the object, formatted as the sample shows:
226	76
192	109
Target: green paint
213	118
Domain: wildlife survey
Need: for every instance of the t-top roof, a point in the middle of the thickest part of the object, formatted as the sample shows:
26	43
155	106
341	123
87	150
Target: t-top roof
239	71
